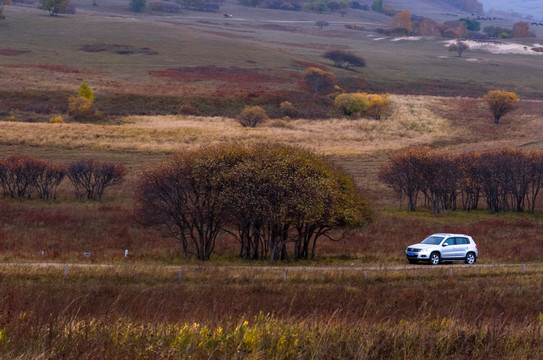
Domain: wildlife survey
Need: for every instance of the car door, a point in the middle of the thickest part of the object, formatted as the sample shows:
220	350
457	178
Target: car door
448	249
462	244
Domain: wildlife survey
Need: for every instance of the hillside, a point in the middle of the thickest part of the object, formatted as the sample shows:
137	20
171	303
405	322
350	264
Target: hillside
256	56
524	7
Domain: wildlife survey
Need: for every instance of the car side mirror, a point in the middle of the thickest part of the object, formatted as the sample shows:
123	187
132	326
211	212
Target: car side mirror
445	244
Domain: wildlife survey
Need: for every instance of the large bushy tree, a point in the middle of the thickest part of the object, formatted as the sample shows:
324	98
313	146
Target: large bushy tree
268	196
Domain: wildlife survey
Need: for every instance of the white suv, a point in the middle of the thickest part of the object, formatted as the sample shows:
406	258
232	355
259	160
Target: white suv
443	247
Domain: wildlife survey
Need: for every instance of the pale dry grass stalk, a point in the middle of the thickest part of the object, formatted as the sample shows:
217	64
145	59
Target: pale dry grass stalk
410	123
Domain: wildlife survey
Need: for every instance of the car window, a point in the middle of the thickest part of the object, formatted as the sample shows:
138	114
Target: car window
433	240
462	240
449	241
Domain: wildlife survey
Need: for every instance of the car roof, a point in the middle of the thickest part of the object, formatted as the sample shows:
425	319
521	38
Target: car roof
449	234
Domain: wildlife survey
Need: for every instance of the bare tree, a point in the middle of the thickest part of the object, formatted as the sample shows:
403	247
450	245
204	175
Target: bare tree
90	178
459	46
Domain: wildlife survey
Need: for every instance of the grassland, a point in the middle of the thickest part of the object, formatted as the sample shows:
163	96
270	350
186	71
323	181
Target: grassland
216	313
357	299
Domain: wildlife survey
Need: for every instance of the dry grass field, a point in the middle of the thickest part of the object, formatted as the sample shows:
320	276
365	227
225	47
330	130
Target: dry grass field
357	299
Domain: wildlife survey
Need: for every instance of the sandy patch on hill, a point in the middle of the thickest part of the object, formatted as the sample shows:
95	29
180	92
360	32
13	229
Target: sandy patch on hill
497	47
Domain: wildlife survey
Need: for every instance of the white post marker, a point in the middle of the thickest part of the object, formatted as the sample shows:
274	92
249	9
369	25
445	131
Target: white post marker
285	275
179	274
42	253
524	269
126	253
365	275
66	270
450	272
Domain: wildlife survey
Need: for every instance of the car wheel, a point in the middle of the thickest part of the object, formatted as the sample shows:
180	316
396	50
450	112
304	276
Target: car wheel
434	258
412	261
470	258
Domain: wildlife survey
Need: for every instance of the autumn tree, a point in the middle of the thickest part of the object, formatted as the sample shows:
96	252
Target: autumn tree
377	105
459	46
318	81
402	20
500	102
344	59
46	179
283	195
505	179
402	173
81	107
271	197
251	116
521	29
21	176
185	196
54	7
90	178
16	174
427	27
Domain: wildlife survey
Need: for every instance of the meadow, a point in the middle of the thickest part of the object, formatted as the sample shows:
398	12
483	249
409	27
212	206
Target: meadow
215	312
358	298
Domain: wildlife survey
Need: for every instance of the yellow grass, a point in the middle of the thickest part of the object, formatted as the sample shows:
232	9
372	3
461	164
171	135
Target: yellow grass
411	122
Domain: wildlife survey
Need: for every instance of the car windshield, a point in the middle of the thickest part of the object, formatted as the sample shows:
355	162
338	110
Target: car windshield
433	240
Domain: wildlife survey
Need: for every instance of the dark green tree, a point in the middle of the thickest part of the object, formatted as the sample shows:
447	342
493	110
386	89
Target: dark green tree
54	6
377	5
138	5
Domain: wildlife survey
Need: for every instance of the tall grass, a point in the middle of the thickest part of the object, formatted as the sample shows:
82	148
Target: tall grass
214	312
411	122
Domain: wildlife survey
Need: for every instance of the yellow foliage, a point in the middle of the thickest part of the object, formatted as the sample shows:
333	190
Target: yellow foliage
79	107
360	104
403	20
352	103
500	102
56	120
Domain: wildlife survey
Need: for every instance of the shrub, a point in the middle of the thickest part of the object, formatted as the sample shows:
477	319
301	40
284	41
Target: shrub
80	107
360	104
352	104
12	118
287	109
344	59
354	27
56	120
251	116
187	109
